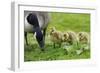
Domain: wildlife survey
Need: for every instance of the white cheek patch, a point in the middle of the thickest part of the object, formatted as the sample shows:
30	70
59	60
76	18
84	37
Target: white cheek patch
35	34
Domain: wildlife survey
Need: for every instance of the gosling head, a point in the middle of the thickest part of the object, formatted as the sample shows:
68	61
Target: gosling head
52	29
65	36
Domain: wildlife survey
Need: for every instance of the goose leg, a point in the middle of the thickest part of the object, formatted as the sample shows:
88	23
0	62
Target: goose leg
54	45
25	34
44	34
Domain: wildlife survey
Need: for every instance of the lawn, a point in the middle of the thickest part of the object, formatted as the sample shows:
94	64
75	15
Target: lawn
62	22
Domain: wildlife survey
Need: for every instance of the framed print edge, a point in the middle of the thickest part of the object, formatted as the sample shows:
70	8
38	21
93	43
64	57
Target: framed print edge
14	36
17	59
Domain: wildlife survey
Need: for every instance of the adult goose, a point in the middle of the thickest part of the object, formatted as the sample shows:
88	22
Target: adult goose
36	22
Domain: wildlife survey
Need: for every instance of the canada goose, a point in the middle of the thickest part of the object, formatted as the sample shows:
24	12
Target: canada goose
36	22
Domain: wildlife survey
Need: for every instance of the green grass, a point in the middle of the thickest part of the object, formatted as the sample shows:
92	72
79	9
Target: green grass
75	22
62	22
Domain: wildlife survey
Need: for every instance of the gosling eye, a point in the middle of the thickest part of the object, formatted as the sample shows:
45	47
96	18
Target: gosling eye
80	34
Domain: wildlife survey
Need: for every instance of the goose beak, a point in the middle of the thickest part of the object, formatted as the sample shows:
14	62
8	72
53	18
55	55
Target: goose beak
39	37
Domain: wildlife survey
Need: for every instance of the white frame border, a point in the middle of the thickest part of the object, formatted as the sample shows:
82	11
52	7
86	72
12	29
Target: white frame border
16	56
